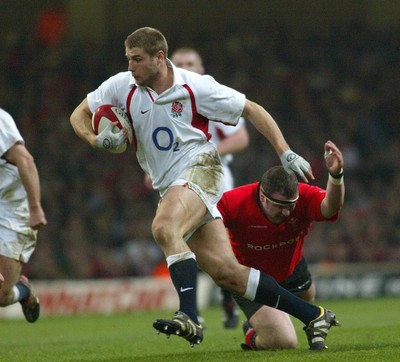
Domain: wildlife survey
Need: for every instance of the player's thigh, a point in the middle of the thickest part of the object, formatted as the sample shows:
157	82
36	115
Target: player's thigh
178	212
211	245
214	255
309	294
274	328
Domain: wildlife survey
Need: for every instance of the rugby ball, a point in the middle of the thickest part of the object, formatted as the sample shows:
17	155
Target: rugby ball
108	113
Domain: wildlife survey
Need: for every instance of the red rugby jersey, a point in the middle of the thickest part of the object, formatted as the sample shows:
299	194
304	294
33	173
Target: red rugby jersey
256	242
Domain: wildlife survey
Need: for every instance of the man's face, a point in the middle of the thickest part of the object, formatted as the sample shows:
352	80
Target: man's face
189	61
144	68
275	211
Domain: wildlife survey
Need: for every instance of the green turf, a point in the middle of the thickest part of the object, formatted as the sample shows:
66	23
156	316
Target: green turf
370	331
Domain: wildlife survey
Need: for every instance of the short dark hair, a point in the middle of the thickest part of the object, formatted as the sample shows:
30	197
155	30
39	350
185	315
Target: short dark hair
149	39
276	179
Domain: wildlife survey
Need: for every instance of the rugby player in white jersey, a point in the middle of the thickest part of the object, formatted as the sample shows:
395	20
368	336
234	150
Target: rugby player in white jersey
228	140
21	215
268	222
170	109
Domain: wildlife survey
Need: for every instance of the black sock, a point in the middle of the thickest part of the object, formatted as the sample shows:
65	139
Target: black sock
24	291
270	293
184	276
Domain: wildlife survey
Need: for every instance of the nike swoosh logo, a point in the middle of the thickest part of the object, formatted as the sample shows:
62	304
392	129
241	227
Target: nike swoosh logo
185	289
143	112
277	302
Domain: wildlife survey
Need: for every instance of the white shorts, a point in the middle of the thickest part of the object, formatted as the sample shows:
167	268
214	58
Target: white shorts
228	179
17	246
205	178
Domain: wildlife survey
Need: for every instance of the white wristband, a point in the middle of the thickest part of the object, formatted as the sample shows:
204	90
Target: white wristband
335	181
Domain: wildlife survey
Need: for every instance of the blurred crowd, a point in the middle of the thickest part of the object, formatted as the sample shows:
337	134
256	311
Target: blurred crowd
339	83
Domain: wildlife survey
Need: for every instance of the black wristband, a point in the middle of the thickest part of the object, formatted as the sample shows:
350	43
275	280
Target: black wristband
340	175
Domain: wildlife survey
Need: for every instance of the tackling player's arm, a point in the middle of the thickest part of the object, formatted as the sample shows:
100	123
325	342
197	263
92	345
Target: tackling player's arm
267	126
334	198
81	119
20	157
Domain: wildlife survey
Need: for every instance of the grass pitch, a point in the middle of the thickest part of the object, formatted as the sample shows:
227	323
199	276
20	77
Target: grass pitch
370	331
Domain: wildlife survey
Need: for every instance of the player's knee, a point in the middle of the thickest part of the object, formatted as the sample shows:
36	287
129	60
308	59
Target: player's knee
162	232
277	341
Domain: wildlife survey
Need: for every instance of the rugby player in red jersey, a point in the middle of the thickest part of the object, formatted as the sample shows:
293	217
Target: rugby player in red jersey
268	222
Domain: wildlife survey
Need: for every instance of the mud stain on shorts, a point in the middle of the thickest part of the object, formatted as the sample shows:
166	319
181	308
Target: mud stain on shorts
207	173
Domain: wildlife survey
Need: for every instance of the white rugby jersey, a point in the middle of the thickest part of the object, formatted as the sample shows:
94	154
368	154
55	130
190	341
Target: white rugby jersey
171	128
219	131
14	211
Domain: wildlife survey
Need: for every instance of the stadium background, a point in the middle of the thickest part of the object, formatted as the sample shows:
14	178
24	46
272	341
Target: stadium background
323	69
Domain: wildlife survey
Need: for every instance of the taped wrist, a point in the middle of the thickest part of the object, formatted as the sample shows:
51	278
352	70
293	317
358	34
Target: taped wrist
336	179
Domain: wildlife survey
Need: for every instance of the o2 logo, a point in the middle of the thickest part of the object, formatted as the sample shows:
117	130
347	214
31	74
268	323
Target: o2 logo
163	139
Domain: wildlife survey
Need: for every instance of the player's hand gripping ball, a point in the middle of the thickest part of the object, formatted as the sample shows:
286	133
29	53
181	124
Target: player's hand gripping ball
111	138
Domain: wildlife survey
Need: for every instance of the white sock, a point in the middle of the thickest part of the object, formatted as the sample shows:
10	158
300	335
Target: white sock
172	259
252	284
16	294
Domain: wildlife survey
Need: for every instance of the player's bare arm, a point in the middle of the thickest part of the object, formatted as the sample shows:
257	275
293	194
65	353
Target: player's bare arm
267	126
335	189
81	119
20	156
